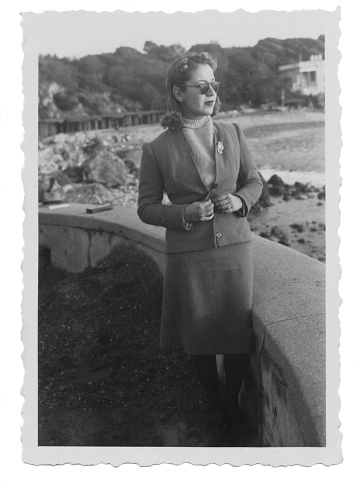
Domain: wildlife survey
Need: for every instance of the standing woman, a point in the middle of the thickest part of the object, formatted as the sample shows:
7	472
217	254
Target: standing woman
207	172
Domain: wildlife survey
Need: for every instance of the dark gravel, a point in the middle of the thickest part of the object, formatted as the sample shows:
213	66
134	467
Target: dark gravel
102	379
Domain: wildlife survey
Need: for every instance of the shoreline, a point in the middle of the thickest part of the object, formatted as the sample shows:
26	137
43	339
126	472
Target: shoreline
313	178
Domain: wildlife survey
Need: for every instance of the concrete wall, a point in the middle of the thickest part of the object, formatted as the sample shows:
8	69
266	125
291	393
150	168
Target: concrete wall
78	240
287	376
289	358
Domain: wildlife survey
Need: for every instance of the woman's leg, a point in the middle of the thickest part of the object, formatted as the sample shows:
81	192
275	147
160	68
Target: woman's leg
235	367
208	376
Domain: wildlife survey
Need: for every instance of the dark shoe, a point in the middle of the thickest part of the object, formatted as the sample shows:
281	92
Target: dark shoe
234	411
206	369
218	415
235	367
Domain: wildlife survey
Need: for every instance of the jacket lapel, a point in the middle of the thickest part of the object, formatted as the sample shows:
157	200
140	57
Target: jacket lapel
228	161
193	158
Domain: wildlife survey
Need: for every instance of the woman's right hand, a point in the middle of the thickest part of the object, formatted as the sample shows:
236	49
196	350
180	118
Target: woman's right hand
199	211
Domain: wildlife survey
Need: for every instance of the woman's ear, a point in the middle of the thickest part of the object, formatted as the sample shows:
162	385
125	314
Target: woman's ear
177	93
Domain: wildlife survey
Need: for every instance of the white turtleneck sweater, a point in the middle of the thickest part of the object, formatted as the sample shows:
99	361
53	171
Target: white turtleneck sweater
199	136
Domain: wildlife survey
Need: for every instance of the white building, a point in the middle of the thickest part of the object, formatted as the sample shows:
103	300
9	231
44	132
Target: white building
307	77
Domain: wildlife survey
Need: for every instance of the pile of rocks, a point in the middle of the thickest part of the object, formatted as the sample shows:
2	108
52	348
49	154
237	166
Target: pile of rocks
276	188
299	191
276	234
88	168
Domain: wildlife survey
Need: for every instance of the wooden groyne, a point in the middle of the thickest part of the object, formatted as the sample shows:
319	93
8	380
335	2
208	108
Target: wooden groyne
50	127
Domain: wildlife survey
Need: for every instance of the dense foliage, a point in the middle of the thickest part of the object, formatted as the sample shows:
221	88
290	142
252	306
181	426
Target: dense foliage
131	80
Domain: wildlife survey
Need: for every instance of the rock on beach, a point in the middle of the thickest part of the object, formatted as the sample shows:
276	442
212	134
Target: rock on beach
85	168
105	168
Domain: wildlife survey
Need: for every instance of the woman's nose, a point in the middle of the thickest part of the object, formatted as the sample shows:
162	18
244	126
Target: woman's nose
211	90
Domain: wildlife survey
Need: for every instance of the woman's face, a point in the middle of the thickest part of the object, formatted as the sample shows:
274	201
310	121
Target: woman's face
194	103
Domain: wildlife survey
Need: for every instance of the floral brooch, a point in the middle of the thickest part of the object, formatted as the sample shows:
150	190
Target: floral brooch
220	147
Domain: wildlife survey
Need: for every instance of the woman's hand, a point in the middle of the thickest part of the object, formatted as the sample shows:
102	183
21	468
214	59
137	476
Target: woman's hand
199	211
227	203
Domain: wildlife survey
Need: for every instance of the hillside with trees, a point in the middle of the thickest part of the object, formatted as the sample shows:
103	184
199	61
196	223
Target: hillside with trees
129	80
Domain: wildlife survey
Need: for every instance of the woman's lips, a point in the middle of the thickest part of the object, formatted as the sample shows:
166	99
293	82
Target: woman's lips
209	103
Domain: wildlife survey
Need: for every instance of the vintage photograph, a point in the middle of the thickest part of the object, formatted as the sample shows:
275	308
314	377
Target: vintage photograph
182	220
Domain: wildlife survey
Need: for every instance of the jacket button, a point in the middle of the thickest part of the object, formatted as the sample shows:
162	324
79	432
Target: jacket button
218	235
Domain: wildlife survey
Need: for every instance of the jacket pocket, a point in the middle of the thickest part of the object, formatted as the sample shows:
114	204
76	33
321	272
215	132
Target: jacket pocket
231	229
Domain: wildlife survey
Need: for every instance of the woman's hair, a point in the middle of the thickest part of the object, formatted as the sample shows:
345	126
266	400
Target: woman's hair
179	72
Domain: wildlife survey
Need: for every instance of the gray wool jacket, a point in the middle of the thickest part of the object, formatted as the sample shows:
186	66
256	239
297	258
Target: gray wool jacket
168	165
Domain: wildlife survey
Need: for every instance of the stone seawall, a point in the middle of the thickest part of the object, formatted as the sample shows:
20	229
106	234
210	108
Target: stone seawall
288	364
287	373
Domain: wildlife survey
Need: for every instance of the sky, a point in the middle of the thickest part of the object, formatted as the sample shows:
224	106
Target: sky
76	34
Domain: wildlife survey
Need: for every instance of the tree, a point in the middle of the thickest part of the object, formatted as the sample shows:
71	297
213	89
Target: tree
162	52
66	100
53	69
137	79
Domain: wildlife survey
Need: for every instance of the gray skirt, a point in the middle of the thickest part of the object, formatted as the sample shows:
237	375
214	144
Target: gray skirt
207	301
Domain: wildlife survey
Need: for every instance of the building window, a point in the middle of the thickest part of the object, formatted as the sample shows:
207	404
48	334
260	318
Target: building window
305	79
313	77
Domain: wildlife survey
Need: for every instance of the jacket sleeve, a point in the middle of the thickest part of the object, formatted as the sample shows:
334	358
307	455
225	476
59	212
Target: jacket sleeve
150	195
249	184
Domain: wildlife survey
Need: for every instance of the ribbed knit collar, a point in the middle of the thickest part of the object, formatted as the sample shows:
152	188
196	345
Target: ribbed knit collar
195	123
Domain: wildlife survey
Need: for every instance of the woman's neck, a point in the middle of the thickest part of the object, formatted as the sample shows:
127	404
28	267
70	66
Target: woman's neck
195	123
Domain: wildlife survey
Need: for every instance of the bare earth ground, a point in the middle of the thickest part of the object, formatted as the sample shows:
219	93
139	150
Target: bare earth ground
102	380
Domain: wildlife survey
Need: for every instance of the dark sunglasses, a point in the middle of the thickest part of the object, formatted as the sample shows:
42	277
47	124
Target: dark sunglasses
204	86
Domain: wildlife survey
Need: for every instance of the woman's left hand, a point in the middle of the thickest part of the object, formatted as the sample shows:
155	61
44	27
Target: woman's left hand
227	203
